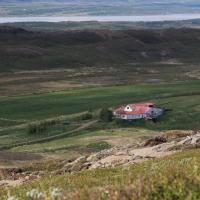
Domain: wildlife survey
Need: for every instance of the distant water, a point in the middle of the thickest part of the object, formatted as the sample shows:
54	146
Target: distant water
144	18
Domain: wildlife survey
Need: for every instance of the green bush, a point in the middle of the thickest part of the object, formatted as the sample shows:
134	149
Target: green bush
87	116
99	145
106	115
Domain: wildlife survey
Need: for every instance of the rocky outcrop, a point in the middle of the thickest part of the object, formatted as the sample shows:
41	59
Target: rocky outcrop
154	141
166	144
131	154
19	179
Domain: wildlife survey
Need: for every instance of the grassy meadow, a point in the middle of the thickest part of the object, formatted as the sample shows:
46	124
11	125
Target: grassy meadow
47	105
62	107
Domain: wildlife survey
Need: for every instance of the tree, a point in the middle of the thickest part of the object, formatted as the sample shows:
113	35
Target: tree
106	115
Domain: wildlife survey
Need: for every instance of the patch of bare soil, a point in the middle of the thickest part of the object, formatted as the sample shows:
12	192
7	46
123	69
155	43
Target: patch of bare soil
170	62
12	156
42	80
194	74
16	176
41	86
18	181
54	85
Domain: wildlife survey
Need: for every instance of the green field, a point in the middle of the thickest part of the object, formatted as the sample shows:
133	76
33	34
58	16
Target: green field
47	105
182	98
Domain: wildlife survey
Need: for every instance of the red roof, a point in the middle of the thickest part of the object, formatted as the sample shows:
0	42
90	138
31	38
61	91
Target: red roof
135	109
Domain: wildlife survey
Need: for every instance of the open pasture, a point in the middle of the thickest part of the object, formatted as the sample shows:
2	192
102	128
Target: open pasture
47	105
182	98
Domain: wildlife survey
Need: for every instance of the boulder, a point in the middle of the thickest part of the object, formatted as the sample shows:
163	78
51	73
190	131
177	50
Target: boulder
154	141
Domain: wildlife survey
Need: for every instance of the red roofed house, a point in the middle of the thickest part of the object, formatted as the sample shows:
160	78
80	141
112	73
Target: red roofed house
138	111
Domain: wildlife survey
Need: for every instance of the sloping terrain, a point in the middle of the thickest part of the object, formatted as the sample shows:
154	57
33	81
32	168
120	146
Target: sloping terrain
43	132
56	123
50	50
34	61
147	171
131	154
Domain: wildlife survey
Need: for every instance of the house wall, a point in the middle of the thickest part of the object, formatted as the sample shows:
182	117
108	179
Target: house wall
130	117
140	116
118	116
155	112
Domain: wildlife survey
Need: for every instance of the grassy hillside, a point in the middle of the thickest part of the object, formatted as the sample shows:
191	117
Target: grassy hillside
174	177
34	61
50	50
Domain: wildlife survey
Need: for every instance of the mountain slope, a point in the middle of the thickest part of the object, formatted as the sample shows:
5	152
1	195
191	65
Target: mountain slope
41	50
67	59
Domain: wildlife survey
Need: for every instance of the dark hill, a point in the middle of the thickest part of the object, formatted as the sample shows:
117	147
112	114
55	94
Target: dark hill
12	30
21	49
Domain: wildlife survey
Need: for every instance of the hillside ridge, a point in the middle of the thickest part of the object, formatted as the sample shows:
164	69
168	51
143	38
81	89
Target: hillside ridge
163	145
40	50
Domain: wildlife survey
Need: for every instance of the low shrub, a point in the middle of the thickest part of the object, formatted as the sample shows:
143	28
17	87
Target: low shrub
87	116
99	145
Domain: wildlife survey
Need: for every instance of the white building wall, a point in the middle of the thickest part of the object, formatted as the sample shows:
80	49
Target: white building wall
140	116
